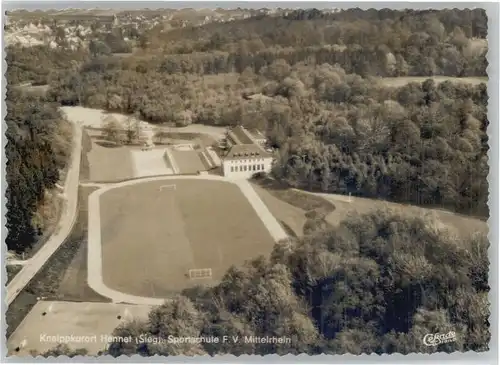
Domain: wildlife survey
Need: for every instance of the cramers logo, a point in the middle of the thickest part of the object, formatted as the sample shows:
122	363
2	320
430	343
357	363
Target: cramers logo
435	339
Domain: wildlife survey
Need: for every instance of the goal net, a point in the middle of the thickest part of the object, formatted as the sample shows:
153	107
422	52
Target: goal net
200	273
169	186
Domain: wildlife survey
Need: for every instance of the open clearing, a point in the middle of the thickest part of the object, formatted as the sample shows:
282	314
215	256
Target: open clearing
294	218
69	318
290	207
110	163
93	118
151	238
289	216
461	225
402	81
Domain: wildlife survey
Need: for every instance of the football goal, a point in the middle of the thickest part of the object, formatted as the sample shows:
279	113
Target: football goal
200	273
170	186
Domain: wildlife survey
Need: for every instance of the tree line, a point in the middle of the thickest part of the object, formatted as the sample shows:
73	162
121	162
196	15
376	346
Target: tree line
335	130
36	64
384	43
38	148
377	283
423	143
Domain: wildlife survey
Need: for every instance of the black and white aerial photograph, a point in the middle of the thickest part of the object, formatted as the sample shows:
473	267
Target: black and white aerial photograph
190	179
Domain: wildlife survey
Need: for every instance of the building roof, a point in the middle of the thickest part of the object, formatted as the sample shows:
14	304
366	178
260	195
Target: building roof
246	151
245	145
256	134
242	135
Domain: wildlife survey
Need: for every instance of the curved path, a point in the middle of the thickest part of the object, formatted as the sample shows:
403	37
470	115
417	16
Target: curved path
63	229
17	262
94	260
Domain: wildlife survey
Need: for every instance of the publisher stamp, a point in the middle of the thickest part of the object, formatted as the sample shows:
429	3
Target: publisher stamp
436	339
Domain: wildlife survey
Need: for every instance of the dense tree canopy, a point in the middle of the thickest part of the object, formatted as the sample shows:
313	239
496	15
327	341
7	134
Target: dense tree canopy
377	283
423	143
37	64
385	42
38	147
310	73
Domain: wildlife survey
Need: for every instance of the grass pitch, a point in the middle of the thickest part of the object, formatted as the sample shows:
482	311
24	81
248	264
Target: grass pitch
109	163
152	238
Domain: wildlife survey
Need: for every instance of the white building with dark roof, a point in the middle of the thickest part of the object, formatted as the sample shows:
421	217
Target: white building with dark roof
246	155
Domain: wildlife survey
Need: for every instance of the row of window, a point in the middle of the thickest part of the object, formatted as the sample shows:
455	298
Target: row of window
246	161
259	167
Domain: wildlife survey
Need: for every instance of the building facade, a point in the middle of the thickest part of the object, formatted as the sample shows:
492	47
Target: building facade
246	155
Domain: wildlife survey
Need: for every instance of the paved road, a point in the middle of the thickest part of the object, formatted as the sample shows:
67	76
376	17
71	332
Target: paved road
94	259
277	232
16	262
32	266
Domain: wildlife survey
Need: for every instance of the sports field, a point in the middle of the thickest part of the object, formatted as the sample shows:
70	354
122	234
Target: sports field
108	162
152	234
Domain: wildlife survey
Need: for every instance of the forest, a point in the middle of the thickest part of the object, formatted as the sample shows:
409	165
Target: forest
336	131
378	283
38	148
315	84
383	43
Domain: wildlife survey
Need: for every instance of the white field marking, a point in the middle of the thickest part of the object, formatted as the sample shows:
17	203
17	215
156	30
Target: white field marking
169	186
94	254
